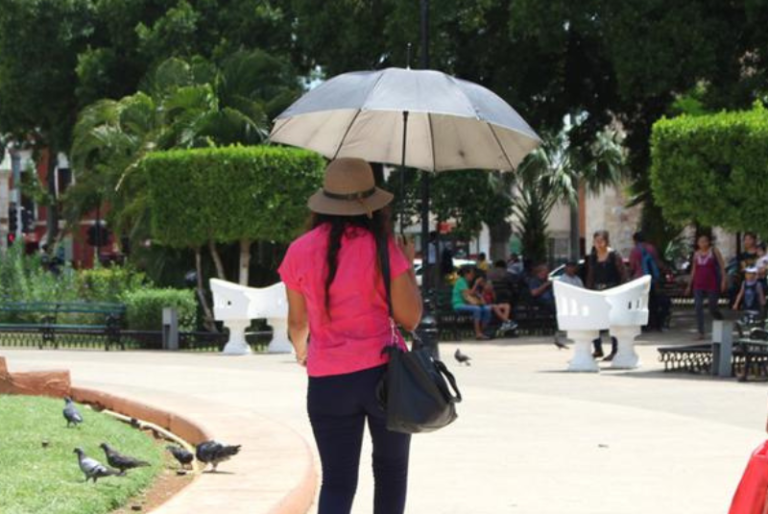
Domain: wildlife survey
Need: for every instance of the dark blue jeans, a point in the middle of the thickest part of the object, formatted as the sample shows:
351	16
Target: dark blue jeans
338	408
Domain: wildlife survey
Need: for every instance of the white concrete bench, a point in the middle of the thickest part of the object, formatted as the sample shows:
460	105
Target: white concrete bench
583	313
237	305
629	312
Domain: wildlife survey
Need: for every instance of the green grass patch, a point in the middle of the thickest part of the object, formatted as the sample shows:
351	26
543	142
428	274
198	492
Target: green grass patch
36	480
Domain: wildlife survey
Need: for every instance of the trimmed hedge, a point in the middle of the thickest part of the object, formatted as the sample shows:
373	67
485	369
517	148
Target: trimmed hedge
713	169
229	194
144	308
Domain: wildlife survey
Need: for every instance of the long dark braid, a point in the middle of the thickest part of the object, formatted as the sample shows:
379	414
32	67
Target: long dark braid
377	225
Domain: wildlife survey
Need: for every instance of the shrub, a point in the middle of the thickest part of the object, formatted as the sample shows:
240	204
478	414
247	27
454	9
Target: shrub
110	284
230	194
713	169
145	308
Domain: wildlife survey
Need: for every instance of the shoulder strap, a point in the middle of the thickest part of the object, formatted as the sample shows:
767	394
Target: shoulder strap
382	248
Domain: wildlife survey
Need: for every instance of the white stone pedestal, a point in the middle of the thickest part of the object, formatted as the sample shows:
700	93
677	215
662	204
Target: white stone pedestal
582	351
626	357
236	344
280	342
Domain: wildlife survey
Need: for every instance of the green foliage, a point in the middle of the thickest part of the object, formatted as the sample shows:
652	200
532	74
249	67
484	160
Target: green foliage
37	479
23	279
713	170
229	194
468	197
109	284
144	308
182	104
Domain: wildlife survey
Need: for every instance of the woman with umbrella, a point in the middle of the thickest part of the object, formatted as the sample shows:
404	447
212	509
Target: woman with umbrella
343	304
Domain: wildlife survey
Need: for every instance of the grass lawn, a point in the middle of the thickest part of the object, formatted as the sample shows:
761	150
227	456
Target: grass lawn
37	480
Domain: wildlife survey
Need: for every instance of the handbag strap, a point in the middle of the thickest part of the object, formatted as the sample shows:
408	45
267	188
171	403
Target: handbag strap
382	248
442	368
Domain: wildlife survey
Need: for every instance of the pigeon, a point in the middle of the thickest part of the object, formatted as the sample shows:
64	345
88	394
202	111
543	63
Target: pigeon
71	414
462	358
119	461
183	456
213	452
93	469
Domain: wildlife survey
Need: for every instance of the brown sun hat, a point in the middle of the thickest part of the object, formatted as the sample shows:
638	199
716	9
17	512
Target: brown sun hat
349	190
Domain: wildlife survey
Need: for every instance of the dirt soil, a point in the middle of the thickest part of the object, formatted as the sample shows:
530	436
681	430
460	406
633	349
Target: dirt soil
168	483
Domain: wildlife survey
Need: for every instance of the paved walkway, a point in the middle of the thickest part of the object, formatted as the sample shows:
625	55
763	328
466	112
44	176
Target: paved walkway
531	438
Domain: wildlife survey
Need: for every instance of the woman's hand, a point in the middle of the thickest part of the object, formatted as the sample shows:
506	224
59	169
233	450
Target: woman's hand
301	358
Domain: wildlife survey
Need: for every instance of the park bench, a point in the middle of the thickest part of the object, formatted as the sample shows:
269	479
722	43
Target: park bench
749	358
236	305
51	319
621	310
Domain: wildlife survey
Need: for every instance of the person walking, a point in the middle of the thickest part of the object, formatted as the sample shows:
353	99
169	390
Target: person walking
708	280
339	323
644	260
605	269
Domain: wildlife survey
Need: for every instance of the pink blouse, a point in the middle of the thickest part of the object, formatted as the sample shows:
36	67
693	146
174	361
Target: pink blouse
352	334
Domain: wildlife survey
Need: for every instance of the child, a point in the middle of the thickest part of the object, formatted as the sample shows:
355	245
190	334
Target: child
751	297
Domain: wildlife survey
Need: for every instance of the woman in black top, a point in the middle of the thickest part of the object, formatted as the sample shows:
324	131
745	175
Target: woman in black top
605	269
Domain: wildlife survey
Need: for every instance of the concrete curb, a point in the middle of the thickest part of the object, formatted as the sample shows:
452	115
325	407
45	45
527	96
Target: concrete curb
205	493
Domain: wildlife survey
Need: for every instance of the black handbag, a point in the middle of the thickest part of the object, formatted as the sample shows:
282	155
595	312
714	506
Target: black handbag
414	392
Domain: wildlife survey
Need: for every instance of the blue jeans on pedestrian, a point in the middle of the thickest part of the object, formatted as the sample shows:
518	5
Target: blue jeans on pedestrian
712	300
481	313
338	407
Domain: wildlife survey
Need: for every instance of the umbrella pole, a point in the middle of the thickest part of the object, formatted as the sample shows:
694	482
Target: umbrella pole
402	176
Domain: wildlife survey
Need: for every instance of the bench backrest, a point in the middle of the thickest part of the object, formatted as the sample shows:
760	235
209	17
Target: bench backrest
629	302
234	301
579	308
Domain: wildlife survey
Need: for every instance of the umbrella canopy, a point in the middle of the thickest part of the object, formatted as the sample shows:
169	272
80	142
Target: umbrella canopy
451	124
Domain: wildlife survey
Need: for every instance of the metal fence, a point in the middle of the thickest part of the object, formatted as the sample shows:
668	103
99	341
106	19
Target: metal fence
128	340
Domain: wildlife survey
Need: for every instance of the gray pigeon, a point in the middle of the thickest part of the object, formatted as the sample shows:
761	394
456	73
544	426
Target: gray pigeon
213	452
93	469
183	456
71	414
462	358
120	461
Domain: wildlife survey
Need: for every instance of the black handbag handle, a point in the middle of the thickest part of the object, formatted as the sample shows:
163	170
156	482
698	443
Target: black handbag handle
442	368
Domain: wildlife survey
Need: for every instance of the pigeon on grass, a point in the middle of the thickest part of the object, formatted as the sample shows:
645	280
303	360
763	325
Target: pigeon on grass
71	414
214	453
462	358
120	461
93	469
183	456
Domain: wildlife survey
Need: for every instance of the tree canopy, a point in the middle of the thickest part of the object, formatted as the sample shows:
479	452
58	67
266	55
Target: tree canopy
713	169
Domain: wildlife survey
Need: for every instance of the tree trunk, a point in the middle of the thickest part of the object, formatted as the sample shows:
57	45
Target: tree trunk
575	236
500	234
217	260
245	260
52	222
208	322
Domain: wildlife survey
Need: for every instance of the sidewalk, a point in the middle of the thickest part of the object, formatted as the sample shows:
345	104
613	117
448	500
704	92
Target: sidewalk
530	439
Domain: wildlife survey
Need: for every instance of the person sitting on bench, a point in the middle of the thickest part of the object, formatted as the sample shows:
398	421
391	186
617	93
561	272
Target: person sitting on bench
466	299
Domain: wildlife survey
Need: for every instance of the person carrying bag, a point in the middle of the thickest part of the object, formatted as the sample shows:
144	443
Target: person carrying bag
418	393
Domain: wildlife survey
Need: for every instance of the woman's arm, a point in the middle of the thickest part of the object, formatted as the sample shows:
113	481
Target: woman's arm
298	324
693	275
620	266
406	297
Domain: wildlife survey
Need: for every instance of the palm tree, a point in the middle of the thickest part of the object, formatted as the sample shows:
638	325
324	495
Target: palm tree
182	104
554	173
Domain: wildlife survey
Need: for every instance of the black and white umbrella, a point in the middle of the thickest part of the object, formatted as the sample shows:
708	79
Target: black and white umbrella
418	118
